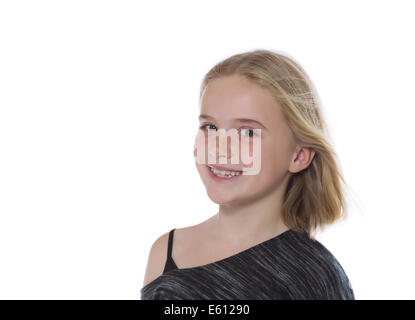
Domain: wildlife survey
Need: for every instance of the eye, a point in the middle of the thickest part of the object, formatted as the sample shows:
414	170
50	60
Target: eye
248	132
203	126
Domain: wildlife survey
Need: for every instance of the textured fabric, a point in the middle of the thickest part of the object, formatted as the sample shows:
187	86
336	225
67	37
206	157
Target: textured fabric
287	266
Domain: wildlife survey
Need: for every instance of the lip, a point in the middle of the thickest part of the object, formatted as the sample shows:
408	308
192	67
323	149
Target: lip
223	168
223	180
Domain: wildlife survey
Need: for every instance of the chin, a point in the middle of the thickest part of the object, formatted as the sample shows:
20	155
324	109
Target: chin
220	198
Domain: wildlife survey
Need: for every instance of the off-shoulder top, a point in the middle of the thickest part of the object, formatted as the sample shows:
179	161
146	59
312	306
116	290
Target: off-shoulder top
287	266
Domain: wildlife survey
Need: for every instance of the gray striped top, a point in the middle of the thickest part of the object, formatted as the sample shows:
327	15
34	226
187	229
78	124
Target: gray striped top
287	266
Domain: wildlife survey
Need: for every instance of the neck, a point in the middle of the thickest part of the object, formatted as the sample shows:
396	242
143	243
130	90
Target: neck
250	221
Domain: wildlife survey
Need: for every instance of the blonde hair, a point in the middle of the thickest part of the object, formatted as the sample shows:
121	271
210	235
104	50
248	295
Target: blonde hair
314	197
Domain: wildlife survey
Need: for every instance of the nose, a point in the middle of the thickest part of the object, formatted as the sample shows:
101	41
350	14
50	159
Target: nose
217	145
225	147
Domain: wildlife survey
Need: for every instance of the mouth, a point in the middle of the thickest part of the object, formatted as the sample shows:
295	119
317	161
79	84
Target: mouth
223	175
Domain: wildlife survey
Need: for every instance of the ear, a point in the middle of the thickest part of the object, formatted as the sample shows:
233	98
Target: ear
301	159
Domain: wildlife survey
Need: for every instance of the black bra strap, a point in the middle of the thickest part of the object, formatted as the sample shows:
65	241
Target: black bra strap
170	264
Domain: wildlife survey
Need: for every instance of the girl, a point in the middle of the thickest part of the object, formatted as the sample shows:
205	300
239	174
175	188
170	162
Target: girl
260	243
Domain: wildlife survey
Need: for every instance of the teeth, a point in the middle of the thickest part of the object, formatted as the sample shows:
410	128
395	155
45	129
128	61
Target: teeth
224	174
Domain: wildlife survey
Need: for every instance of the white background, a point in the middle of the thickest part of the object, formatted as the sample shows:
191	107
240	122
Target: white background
98	116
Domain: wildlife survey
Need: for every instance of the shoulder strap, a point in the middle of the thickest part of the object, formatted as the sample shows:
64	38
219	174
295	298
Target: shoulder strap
170	264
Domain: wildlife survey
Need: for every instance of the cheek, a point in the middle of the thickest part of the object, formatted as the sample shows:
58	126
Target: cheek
274	158
251	153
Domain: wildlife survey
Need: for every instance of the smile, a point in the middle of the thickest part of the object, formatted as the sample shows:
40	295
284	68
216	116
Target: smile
223	173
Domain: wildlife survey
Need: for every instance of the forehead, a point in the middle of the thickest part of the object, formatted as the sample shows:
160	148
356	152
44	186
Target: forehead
235	96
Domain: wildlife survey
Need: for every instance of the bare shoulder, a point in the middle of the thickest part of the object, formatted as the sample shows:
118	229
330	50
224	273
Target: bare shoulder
186	239
189	244
156	258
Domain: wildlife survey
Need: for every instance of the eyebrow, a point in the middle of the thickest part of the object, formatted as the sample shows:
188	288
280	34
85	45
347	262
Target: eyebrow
244	120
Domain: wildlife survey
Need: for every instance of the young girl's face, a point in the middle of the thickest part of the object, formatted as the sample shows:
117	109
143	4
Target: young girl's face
224	101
